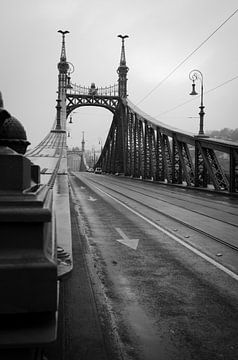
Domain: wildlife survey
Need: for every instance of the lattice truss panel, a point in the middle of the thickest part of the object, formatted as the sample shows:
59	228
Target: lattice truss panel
208	162
76	100
151	154
233	176
111	159
134	143
108	153
183	167
139	147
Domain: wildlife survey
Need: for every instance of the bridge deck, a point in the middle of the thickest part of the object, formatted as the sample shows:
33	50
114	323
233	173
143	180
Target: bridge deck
155	296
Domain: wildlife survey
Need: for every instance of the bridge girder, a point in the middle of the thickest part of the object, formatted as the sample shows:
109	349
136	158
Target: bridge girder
75	101
141	147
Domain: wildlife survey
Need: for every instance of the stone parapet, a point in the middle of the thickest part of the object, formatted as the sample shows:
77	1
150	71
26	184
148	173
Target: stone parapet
28	254
28	269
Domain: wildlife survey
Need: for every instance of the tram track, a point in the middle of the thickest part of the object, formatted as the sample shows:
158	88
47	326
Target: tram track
119	195
172	193
184	201
159	283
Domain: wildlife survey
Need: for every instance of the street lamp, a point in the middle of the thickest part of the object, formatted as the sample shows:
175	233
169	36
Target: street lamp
100	143
70	118
195	75
70	71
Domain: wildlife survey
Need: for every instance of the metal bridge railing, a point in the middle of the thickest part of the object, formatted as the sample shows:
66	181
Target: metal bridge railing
142	147
111	90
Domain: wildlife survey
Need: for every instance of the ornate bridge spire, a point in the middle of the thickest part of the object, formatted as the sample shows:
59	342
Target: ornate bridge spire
63	67
122	69
63	51
123	56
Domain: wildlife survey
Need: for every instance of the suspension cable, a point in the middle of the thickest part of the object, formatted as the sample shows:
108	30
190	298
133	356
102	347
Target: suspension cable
186	58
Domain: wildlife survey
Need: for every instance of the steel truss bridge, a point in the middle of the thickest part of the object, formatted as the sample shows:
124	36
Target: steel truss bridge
140	146
137	146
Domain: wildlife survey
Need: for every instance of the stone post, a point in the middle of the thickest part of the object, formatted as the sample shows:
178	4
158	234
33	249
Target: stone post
28	269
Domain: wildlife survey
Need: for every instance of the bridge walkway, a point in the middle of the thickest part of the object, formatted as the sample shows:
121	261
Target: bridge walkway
81	332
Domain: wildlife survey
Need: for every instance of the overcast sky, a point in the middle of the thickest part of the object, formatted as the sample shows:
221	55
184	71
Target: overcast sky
162	33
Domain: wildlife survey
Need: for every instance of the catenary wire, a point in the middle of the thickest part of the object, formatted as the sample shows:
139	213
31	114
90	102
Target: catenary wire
195	97
186	58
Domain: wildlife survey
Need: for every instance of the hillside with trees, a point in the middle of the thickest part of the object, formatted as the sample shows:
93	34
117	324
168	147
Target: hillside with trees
225	134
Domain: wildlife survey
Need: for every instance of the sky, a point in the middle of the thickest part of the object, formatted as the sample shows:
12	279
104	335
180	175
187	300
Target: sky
162	34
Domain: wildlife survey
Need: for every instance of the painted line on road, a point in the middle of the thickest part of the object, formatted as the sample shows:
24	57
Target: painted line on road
194	250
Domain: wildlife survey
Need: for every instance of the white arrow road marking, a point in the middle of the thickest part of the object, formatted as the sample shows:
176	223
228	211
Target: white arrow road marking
194	250
132	243
91	198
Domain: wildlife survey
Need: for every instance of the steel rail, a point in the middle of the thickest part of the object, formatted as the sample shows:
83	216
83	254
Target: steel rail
173	192
177	198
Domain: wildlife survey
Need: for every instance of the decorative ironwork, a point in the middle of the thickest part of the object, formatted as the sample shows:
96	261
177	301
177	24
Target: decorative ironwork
75	101
75	89
215	170
122	69
195	75
140	146
155	151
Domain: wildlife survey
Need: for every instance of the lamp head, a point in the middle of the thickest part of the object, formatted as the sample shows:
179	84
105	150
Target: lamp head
193	92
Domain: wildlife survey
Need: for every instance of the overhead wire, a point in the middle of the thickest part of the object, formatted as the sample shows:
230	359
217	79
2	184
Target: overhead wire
187	57
195	97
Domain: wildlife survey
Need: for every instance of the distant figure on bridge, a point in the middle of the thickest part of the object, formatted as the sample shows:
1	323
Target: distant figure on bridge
93	90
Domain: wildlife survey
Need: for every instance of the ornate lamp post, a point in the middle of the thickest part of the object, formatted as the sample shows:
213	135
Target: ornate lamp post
195	75
71	117
70	71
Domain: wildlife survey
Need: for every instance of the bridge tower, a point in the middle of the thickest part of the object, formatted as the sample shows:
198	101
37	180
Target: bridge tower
63	81
83	162
122	70
113	98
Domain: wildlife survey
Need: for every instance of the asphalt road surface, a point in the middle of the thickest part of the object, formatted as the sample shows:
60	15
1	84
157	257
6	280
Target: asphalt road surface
163	266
